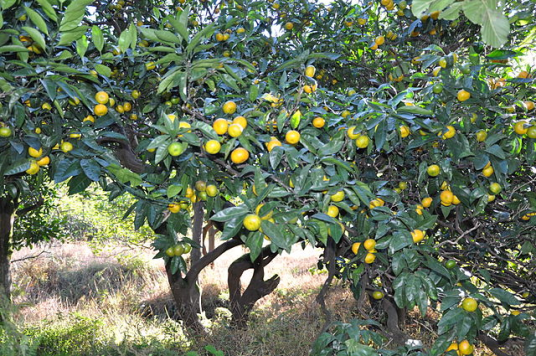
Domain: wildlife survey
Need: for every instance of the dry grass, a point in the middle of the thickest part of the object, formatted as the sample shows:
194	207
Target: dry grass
118	303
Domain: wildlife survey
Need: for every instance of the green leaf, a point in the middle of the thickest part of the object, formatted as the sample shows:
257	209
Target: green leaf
505	297
97	38
82	45
36	36
13	48
91	169
73	15
78	184
253	93
495	28
67	37
198	37
103	70
37	20
417	110
230	213
48	9
173	190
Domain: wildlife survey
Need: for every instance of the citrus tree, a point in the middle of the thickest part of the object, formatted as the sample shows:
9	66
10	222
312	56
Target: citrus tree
401	145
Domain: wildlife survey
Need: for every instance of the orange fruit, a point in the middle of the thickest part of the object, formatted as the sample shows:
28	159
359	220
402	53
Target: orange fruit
433	170
35	153
34	168
487	172
239	155
333	211
446	197
379	40
240	120
529	105
229	107
463	95
362	141
465	348
174	207
43	161
426	202
310	71
292	137
102	97
319	122
404	131
235	130
212	147
212	190
417	235
520	128
469	304
127	106
370	257
66	147
531	132
220	126
481	136
355	247
352	134
377	295
252	222
369	244
273	143
101	110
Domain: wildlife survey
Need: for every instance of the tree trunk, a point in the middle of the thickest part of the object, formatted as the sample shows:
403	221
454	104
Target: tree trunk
7	211
242	303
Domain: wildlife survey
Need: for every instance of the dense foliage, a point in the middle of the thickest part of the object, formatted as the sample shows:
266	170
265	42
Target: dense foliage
404	146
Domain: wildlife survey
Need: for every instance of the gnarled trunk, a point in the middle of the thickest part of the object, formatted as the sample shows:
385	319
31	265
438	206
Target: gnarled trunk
7	211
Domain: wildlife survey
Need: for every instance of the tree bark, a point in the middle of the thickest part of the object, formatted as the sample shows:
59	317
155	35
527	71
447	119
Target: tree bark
7	211
242	303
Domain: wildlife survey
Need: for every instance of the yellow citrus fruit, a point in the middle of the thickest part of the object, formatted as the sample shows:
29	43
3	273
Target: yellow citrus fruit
34	168
310	71
240	120
495	188
452	346
352	134
252	222
463	95
362	141
446	197
417	235
377	295
35	153
481	136
212	147
404	131
212	190
319	122
135	94
379	40
465	348
369	244
455	200
289	26
337	197
520	128
292	137
220	126
531	132
235	130
433	170
370	257
101	110
239	155
150	65
491	198
333	211
43	161
355	247
46	106
102	97
529	105
229	107
127	106
451	131
487	172
345	113
426	202
174	207
469	304
273	143
515	312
